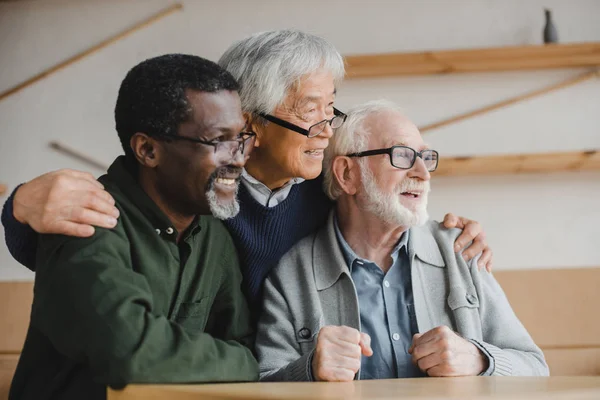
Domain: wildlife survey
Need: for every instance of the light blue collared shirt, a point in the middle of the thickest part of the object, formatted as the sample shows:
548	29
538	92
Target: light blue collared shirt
387	312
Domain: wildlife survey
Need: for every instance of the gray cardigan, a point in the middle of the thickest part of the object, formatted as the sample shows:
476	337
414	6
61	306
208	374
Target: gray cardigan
311	287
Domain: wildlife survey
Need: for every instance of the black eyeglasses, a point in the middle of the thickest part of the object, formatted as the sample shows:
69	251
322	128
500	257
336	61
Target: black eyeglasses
404	157
227	148
314	130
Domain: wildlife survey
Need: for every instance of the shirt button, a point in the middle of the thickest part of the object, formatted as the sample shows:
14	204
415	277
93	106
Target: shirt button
395	336
386	284
157	231
170	230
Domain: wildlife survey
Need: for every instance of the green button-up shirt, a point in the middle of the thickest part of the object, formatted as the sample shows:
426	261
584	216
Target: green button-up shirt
130	304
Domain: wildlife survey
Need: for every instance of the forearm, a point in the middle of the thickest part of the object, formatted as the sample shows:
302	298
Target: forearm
20	239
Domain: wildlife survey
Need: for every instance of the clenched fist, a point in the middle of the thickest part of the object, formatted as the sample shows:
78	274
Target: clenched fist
338	352
442	352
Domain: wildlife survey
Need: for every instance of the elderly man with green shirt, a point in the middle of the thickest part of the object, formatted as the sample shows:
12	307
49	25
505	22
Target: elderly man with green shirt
158	298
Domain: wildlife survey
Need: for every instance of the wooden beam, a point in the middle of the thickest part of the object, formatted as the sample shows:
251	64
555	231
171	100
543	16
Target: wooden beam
512	100
474	60
78	155
519	163
78	57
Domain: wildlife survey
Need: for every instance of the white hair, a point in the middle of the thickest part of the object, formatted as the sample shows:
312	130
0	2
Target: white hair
268	64
351	137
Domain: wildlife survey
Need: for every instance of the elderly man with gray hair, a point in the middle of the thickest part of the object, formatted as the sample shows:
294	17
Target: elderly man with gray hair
379	292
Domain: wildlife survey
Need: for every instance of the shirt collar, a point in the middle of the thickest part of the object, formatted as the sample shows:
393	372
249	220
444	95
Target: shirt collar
350	256
120	173
262	187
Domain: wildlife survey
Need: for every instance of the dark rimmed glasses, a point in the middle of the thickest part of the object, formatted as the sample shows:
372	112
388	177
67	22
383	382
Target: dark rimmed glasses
226	148
404	157
314	130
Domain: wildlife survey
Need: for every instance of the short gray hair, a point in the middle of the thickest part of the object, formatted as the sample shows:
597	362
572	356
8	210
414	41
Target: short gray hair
268	64
351	137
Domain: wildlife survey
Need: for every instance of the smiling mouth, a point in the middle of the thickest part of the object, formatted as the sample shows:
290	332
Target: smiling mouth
314	152
226	181
412	195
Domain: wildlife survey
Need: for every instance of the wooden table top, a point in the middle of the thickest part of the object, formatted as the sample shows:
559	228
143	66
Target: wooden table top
496	388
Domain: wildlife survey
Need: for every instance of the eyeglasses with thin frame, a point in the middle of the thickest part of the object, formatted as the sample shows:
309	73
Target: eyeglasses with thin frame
404	157
314	130
229	148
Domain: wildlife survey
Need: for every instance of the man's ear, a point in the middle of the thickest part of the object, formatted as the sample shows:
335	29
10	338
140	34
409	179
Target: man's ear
145	149
346	173
255	123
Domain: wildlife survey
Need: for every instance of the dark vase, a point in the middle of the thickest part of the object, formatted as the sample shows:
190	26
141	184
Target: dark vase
550	33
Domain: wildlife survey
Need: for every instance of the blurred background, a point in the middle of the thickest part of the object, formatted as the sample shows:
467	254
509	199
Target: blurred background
542	220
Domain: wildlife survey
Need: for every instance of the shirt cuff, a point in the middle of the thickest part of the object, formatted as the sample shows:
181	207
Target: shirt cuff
491	364
21	239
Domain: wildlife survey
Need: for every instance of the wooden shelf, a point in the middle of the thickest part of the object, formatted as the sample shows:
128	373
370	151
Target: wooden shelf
519	163
474	60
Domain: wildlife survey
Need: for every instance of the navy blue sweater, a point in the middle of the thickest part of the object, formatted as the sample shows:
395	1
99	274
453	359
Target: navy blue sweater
262	235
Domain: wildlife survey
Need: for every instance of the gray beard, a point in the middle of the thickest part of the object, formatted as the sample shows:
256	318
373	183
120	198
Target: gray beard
387	207
219	209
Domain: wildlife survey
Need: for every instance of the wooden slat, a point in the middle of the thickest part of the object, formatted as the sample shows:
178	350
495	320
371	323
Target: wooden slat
474	60
573	362
16	299
511	101
519	163
88	52
559	307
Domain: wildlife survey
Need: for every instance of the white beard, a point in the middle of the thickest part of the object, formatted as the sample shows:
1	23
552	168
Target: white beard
219	209
388	207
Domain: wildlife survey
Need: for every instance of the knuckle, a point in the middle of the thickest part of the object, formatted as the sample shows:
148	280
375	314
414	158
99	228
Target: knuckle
446	355
444	342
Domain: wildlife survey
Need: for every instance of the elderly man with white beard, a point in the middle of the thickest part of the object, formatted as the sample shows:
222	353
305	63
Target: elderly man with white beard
378	292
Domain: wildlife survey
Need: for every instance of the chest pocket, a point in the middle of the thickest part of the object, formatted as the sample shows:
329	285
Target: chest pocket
306	334
194	315
464	304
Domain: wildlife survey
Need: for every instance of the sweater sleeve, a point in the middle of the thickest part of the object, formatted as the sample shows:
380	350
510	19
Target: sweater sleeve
280	358
505	339
95	309
21	239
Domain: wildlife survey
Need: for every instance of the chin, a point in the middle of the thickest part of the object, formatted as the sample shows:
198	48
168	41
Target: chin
222	206
310	173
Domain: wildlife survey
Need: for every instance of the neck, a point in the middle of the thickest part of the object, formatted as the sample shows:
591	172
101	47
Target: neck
368	236
180	221
262	170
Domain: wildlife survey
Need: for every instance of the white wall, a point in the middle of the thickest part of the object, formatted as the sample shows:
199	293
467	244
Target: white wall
531	220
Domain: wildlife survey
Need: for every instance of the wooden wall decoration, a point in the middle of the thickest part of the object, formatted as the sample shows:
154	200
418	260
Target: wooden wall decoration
86	53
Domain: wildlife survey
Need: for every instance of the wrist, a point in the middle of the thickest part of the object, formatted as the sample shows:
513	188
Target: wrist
17	209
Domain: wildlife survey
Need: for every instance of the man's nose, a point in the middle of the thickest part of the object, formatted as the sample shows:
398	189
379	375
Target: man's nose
327	132
238	158
419	170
